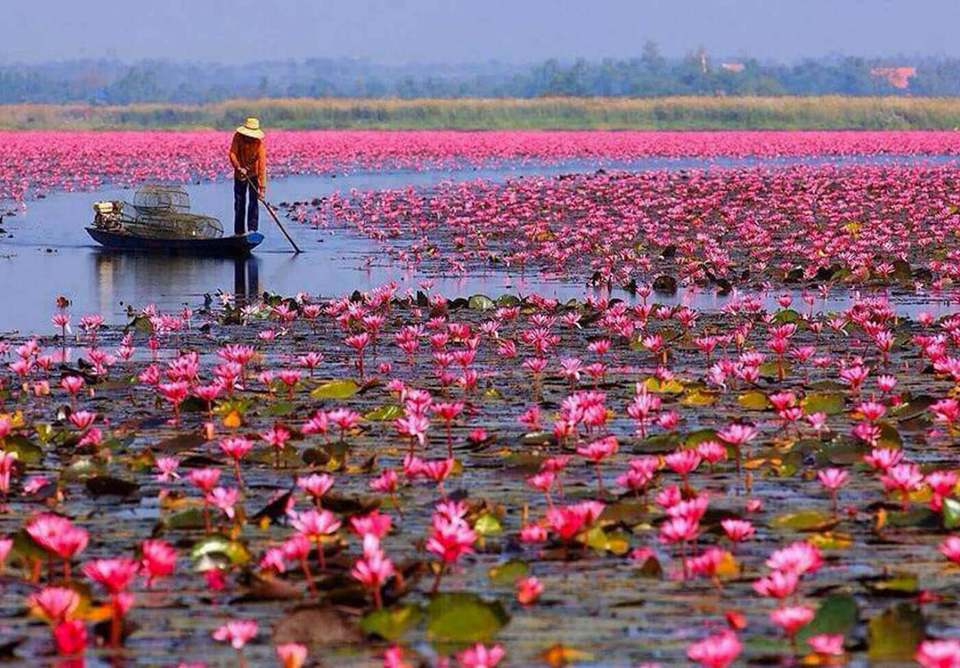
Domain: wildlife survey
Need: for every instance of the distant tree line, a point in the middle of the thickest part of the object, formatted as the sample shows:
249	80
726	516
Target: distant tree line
648	74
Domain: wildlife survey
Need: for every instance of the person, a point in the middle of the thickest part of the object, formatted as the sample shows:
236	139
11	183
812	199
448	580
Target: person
248	156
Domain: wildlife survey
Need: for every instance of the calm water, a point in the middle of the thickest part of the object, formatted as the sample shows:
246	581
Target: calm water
47	252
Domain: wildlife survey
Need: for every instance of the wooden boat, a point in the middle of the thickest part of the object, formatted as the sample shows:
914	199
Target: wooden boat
231	246
159	221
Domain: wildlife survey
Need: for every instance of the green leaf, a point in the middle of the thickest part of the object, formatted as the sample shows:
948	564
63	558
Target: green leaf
180	442
786	315
804	520
695	438
279	409
81	468
26	548
842	451
753	400
141	324
894	634
487	525
191	518
384	413
27	451
901	270
480	303
836	614
889	436
233	405
897	584
773	369
628	511
650	568
663	442
615	542
831	403
235	551
462	617
665	284
335	389
538	438
107	485
45	431
672	386
951	513
826	386
508	572
699	397
918	516
391	623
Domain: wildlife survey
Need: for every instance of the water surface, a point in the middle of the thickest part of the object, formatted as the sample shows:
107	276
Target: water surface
47	252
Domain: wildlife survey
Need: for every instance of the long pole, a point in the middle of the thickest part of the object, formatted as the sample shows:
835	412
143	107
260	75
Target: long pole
296	248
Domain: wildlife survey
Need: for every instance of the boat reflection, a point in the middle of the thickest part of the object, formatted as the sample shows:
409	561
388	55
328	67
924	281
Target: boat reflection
137	279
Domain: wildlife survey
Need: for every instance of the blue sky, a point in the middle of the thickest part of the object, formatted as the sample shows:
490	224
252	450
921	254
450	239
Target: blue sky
519	31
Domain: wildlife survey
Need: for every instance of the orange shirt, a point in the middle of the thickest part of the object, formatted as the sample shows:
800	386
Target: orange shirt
249	153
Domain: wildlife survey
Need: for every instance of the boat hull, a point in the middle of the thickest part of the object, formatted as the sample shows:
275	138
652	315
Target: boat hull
233	246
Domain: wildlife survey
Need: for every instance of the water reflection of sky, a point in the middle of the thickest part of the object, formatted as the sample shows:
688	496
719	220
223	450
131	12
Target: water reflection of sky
49	252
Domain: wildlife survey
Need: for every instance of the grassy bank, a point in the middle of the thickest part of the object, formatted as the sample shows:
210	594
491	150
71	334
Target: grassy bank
829	112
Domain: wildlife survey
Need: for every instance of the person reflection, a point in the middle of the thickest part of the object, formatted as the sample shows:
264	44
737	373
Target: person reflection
246	279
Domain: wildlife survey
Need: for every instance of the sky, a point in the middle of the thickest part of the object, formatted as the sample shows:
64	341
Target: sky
461	31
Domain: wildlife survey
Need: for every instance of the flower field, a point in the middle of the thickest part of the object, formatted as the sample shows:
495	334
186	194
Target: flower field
37	162
862	225
398	477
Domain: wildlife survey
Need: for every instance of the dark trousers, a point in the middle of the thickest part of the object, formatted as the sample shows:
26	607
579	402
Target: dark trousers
245	201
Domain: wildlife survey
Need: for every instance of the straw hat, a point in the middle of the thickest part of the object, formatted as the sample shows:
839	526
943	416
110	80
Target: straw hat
251	128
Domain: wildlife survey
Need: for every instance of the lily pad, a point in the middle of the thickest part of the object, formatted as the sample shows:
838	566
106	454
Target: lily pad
462	617
896	584
279	409
487	525
191	518
665	284
384	413
894	634
786	315
26	450
672	386
753	400
951	513
508	572
235	551
627	511
615	542
842	451
658	443
835	614
391	623
699	397
889	436
335	389
831	540
480	303
695	438
804	520
104	485
26	548
773	369
317	627
180	442
831	403
538	438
